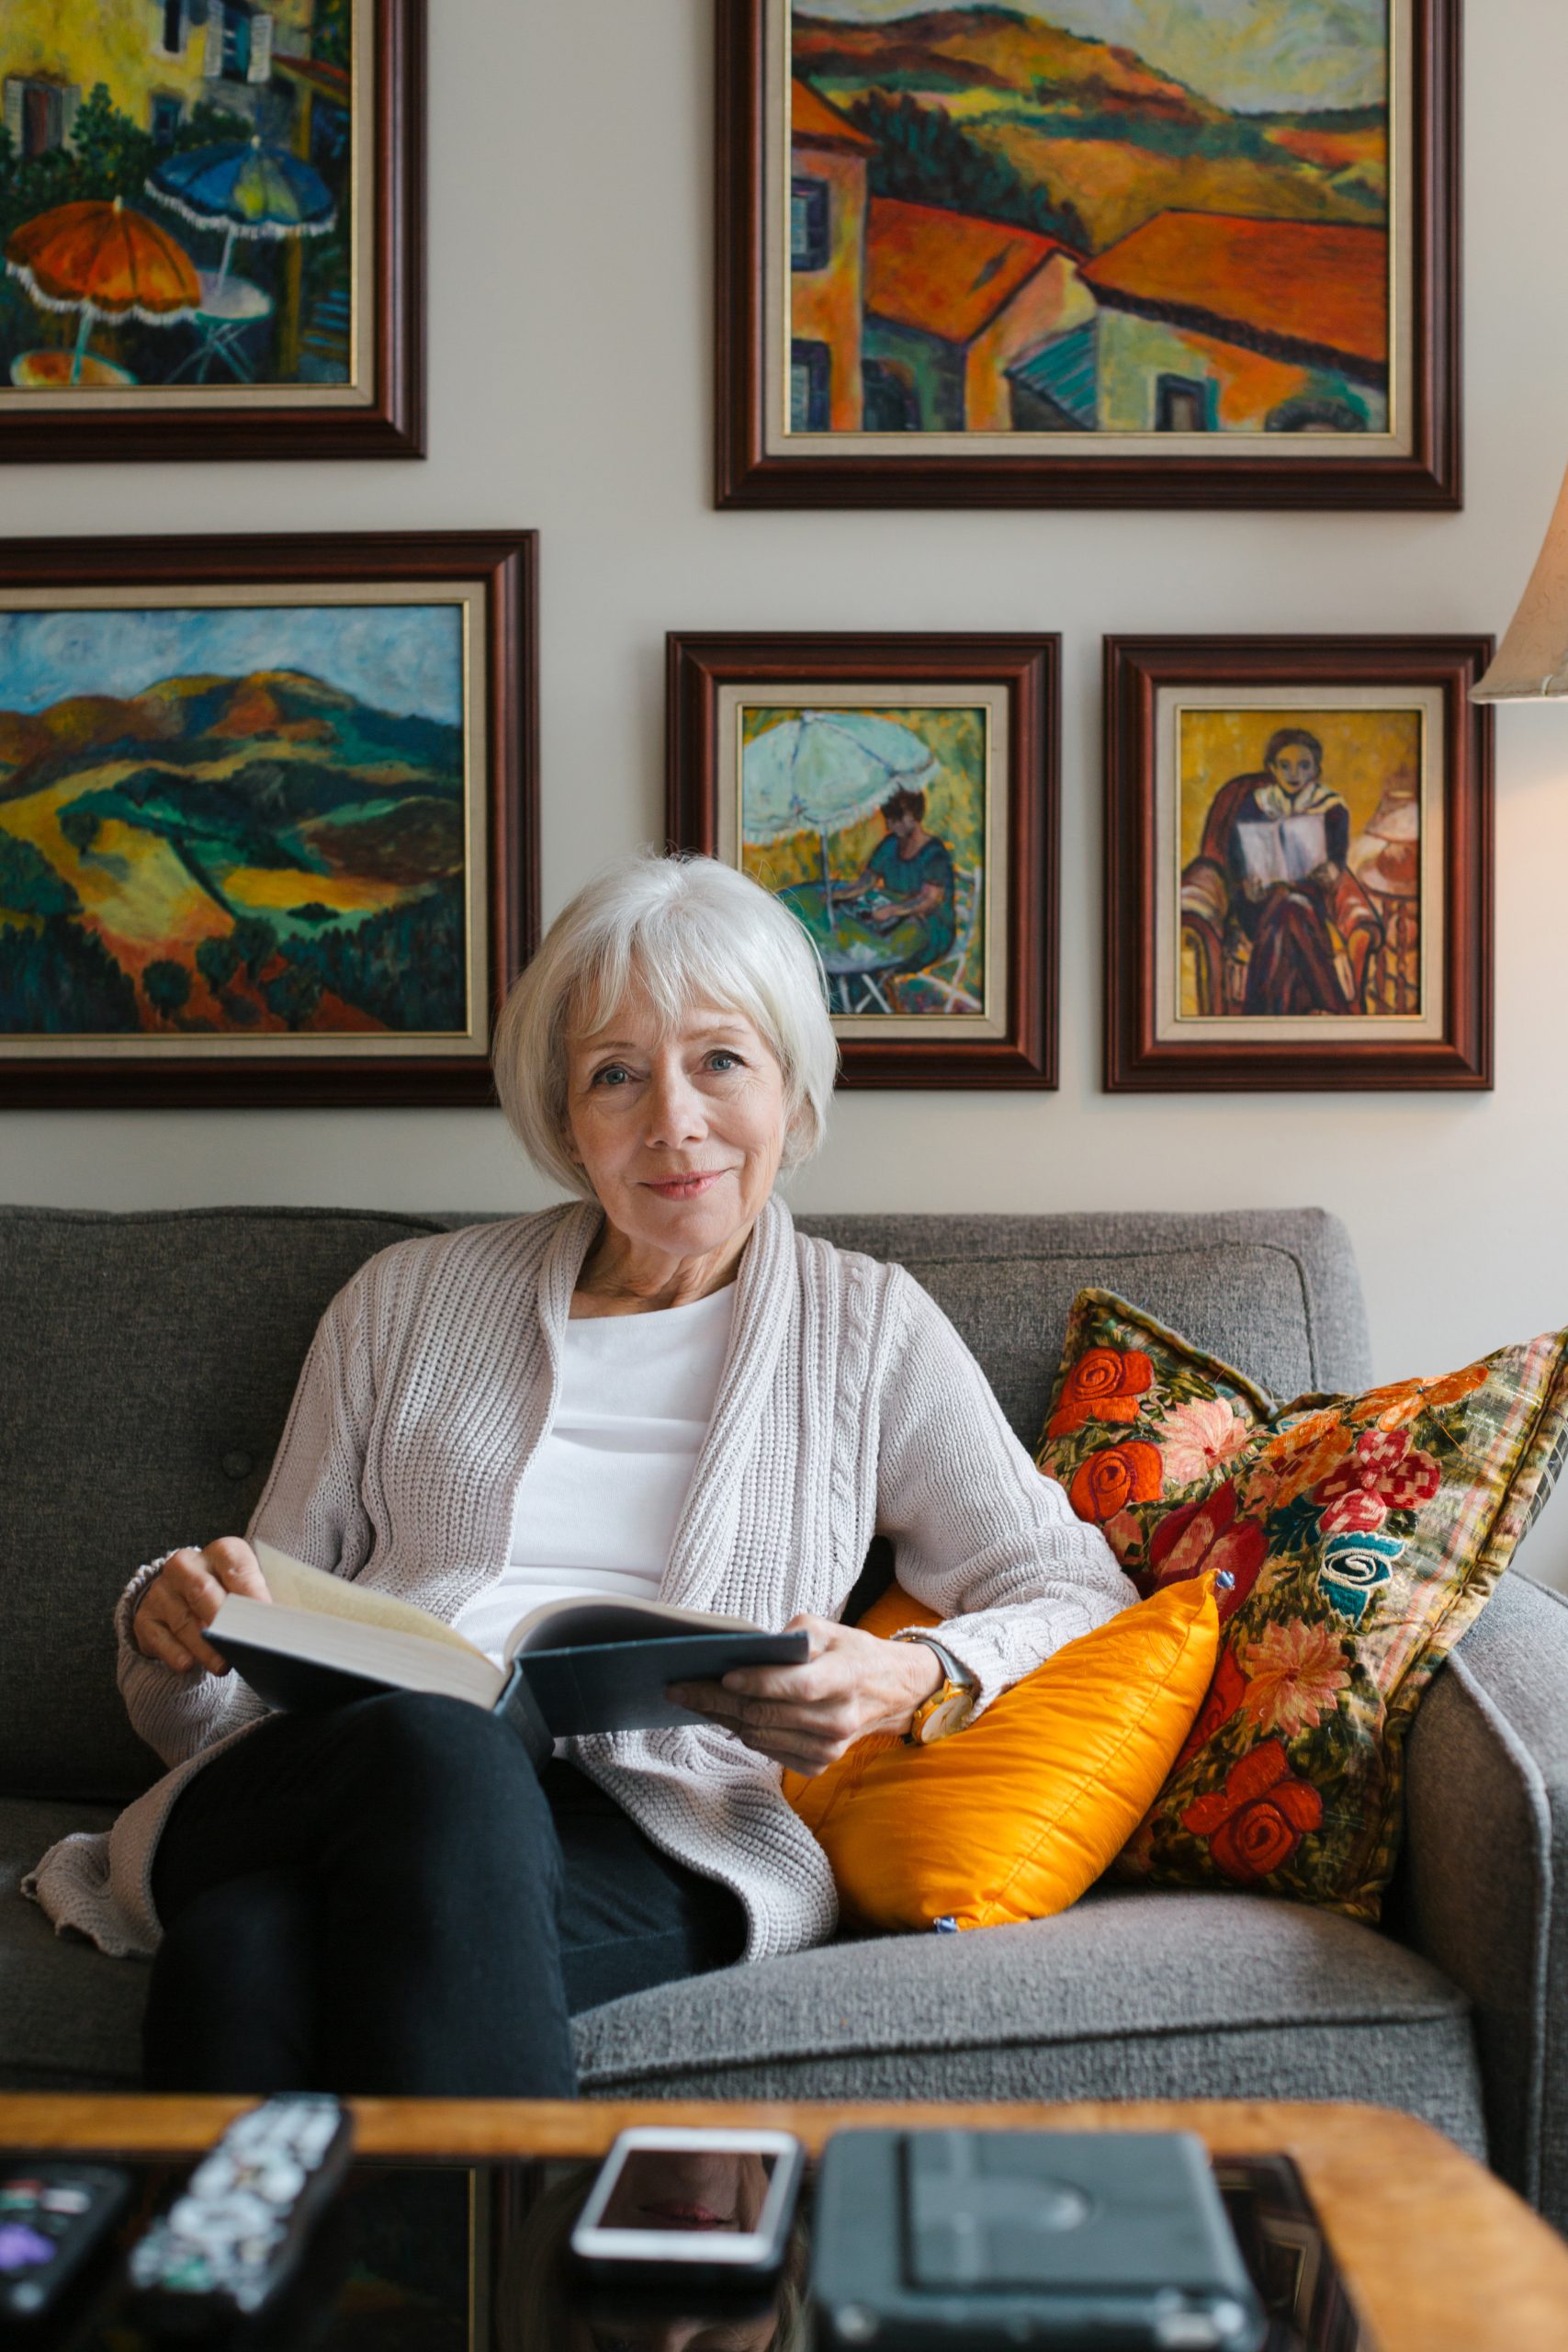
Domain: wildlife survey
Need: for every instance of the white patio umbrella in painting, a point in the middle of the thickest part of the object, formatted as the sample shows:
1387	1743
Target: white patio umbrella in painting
825	770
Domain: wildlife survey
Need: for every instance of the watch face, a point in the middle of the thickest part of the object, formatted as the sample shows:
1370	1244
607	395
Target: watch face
950	1713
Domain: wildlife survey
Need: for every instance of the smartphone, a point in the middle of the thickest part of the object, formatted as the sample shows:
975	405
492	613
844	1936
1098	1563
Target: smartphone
690	2208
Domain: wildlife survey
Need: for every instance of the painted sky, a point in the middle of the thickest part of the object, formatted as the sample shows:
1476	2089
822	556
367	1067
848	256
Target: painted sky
399	657
1250	55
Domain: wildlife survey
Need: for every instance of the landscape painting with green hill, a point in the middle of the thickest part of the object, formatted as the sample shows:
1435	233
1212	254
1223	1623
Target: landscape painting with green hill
232	822
1089	216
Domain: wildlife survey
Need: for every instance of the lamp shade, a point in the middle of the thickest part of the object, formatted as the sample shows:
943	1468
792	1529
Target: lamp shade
1532	662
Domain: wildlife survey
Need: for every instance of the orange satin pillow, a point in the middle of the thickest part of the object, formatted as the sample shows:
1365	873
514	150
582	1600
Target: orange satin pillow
1015	1817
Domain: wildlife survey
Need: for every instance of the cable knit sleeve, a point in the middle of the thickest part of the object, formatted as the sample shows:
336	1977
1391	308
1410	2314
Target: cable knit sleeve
978	1532
311	1506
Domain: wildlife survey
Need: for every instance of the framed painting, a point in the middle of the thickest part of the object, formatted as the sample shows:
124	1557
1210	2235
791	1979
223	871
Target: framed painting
1298	870
268	816
900	794
1082	252
212	225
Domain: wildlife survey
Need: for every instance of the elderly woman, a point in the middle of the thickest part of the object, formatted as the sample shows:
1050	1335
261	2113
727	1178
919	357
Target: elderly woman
657	1387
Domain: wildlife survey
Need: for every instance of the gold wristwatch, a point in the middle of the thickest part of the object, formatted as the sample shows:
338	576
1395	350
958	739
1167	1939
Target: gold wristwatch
950	1705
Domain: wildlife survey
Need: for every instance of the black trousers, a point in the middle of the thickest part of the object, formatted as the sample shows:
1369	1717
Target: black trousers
386	1899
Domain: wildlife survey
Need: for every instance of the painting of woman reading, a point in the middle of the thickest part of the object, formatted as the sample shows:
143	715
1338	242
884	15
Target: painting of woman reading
1272	914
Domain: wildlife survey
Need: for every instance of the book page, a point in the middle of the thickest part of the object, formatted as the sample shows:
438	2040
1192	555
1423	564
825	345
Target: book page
563	1623
1262	853
294	1584
1286	849
406	1661
1304	841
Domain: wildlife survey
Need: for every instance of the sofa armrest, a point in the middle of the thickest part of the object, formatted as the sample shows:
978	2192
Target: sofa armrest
1485	1883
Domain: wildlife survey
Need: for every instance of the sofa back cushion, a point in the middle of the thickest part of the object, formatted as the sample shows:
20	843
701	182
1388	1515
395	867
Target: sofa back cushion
146	1371
148	1361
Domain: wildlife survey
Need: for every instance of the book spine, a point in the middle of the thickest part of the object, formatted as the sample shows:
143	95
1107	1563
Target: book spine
518	1707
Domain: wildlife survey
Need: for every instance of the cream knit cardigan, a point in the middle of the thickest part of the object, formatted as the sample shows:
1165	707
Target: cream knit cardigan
847	1406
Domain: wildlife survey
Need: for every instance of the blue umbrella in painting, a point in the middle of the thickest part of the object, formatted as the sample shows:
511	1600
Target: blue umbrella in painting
825	770
247	186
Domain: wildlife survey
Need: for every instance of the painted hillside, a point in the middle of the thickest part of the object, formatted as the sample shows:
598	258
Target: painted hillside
230	855
1077	134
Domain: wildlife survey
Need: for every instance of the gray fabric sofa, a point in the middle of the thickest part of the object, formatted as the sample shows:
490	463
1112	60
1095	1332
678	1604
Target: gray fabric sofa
146	1362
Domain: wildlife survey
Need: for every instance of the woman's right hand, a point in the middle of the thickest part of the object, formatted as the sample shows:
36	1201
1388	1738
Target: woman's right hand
184	1596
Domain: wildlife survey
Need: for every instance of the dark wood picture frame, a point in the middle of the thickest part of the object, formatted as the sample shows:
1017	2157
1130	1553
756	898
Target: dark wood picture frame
1137	671
393	423
1428	476
1027	670
502	569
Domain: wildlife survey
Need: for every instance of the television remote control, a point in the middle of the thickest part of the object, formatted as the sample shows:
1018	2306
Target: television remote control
234	2235
52	2218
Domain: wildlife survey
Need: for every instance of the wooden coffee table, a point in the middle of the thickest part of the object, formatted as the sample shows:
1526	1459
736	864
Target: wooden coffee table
1440	2256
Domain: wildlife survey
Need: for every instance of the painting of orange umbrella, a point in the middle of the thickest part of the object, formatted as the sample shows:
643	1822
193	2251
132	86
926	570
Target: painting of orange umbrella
106	262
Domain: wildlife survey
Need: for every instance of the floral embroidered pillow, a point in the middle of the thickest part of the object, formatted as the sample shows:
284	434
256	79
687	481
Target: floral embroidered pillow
1141	1422
1362	1535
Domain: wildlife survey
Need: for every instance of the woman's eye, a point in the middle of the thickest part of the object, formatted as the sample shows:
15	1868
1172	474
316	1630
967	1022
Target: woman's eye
722	1053
611	1070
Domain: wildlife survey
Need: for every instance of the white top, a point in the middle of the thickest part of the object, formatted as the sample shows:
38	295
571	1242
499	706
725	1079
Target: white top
598	1505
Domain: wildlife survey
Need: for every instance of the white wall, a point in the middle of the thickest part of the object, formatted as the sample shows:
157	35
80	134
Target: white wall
570	330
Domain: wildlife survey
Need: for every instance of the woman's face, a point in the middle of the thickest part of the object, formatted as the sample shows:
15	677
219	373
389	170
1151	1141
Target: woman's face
1296	767
682	1137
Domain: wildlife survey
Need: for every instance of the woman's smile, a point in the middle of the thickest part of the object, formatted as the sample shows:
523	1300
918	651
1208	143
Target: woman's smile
686	1188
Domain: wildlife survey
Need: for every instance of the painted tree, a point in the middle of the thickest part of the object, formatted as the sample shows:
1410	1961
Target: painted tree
217	960
166	986
81	826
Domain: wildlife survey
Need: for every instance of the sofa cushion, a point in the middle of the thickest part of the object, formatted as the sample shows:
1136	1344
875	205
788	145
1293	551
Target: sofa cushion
1127	1995
1274	1292
70	2018
1362	1535
148	1365
1016	1817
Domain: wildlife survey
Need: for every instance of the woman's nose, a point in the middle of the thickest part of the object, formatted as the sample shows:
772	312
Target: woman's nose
675	1112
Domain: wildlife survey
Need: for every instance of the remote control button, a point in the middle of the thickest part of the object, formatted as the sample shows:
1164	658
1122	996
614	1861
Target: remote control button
215	2223
212	2176
21	2249
281	2182
65	2200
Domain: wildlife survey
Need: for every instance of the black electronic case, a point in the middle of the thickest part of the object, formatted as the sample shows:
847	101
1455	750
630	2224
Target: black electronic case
997	2239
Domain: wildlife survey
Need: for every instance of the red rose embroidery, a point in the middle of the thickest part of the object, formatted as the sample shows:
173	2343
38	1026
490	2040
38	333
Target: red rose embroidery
1226	1692
1383	1472
1255	1822
1204	1535
1115	1476
1103	1385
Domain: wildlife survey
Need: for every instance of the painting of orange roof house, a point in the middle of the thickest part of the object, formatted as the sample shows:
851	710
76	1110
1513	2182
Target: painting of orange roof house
1118	216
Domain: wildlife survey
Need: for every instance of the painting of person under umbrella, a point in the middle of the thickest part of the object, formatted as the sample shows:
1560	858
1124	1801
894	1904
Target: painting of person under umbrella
870	825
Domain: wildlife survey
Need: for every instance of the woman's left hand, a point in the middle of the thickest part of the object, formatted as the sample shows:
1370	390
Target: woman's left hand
806	1716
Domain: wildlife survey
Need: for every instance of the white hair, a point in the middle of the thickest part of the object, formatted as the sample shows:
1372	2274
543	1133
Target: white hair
688	931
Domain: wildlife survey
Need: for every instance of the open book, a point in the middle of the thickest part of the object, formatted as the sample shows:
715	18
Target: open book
1282	848
570	1665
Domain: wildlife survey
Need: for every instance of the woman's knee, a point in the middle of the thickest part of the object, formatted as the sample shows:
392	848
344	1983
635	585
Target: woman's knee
416	1752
